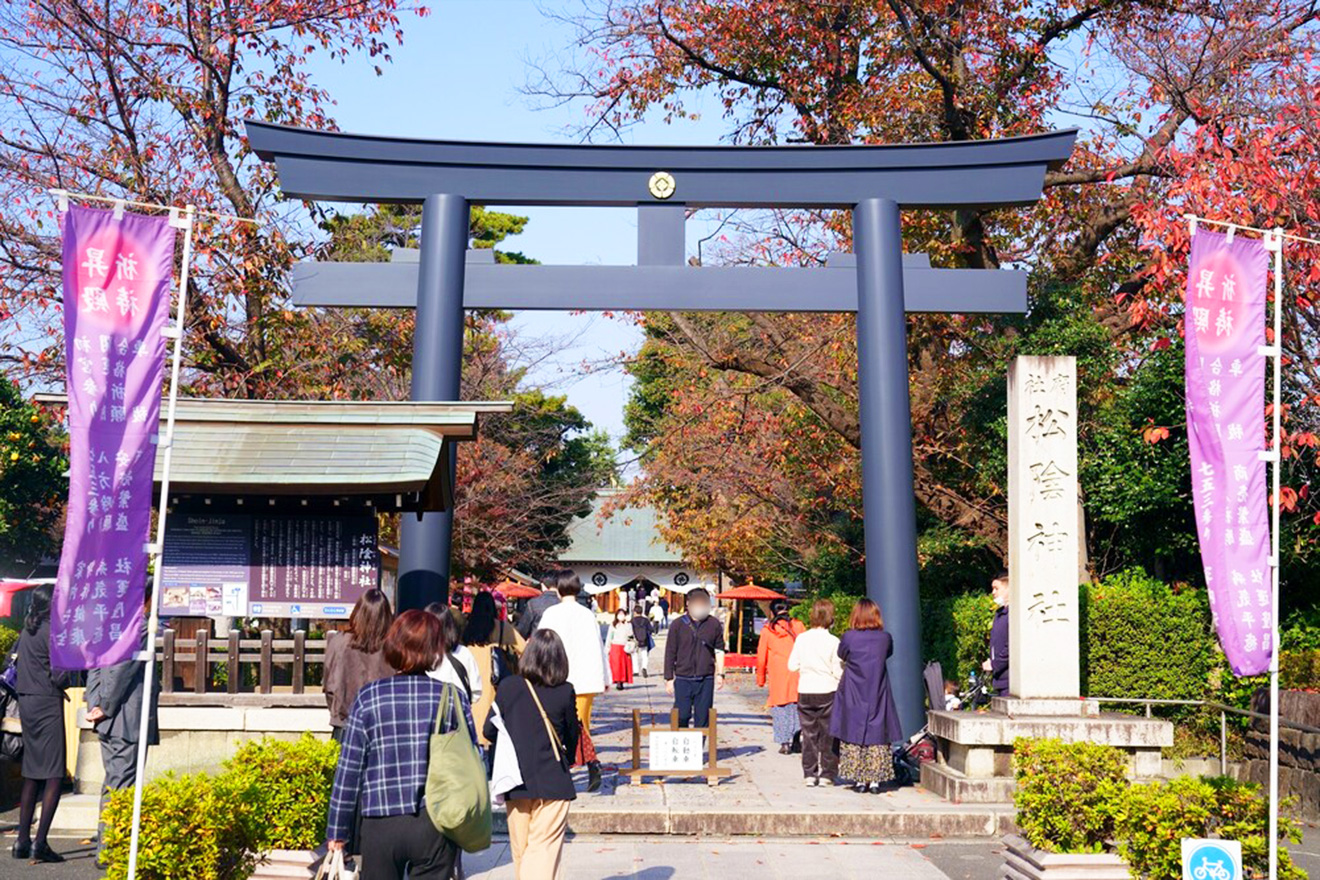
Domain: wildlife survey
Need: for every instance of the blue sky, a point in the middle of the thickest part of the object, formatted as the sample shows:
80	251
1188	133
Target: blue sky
459	76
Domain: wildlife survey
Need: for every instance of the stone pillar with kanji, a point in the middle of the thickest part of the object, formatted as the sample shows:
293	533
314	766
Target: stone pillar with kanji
1043	528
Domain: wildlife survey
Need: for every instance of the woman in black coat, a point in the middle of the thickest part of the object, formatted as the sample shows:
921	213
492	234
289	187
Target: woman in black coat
539	715
41	710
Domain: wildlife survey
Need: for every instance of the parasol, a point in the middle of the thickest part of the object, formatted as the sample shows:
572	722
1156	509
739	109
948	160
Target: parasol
750	593
512	590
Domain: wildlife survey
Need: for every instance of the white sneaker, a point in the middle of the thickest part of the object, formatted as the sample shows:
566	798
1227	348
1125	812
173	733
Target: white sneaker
812	781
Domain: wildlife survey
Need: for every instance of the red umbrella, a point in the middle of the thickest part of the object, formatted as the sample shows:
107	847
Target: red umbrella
750	593
513	590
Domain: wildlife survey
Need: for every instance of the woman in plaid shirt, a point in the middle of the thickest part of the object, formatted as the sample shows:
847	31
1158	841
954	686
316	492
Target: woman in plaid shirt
383	759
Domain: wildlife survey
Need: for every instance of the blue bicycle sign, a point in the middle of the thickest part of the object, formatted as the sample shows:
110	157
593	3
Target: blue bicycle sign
1211	859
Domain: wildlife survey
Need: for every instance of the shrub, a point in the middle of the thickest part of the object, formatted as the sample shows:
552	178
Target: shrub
956	632
8	639
843	606
271	795
1068	793
193	828
1300	670
1154	818
287	787
1143	638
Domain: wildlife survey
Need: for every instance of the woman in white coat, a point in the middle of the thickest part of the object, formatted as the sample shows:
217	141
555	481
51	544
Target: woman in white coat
815	658
580	632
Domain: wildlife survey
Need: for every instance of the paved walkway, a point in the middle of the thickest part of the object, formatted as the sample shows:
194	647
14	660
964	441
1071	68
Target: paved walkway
765	795
614	858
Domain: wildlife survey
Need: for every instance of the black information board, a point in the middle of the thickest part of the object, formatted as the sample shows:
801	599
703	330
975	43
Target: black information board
239	565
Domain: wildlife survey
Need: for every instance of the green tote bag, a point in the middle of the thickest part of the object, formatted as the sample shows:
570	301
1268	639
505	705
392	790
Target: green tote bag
457	794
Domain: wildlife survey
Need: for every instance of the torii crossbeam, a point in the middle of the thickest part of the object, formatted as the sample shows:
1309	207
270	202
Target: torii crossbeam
880	284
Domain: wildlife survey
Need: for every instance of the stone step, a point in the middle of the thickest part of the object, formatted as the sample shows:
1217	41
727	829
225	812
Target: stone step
78	813
959	788
76	816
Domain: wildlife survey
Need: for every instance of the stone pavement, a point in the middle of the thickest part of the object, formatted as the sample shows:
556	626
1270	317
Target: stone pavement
615	858
765	795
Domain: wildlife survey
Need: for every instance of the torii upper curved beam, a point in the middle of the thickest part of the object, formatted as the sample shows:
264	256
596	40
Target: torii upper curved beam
340	167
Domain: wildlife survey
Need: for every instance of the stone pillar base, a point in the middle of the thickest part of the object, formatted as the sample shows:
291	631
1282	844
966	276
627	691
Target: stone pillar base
974	750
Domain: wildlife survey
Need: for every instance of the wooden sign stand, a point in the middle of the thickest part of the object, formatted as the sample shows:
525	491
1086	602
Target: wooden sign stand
712	771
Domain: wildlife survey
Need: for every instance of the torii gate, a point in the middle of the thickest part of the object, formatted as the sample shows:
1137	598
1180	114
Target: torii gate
879	284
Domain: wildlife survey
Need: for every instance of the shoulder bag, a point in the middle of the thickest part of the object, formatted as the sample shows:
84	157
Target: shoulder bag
555	744
457	793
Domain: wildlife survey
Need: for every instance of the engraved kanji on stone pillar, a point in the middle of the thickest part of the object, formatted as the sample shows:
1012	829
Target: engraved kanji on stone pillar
1043	527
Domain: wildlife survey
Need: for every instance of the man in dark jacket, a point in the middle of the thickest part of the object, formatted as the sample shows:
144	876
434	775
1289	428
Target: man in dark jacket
530	619
694	660
114	698
997	665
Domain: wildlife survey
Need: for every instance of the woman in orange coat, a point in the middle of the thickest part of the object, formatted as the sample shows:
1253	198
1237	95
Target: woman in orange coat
772	652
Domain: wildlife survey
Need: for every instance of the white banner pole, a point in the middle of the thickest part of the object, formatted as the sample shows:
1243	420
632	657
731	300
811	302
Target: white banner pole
166	442
1275	243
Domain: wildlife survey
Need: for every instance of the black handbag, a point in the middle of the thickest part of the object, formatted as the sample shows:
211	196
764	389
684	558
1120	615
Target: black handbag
11	741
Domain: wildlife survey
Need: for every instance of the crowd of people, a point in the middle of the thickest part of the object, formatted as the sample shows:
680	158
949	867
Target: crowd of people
829	697
524	691
524	694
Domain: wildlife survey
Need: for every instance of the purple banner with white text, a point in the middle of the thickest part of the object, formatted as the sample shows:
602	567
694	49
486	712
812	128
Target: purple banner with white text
1224	327
117	277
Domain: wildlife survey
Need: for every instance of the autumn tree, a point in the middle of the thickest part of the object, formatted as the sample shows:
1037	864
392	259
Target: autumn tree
32	462
749	422
530	472
147	101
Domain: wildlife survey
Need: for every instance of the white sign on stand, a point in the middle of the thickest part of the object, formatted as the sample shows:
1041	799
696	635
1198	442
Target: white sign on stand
676	750
1204	859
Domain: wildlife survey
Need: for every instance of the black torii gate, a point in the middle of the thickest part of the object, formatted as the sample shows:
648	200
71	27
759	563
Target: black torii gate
879	284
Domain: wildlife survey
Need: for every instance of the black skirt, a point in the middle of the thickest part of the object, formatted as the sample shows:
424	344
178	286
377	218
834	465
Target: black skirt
42	717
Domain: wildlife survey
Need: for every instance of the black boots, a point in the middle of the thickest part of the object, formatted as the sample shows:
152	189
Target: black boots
593	776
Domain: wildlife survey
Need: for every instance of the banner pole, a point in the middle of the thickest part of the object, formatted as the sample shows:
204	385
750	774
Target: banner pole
1276	352
154	550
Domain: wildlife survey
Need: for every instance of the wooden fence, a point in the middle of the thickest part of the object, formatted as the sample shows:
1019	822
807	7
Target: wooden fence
236	656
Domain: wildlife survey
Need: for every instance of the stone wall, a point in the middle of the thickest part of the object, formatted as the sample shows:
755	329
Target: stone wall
1299	752
199	738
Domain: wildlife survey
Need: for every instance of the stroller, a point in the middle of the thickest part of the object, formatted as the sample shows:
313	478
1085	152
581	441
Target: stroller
920	747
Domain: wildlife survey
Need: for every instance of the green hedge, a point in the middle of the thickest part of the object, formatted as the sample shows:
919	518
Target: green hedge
1143	638
8	639
1074	797
271	795
1067	793
193	828
288	789
1153	818
956	632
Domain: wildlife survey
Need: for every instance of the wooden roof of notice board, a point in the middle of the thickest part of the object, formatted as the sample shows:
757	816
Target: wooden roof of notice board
388	450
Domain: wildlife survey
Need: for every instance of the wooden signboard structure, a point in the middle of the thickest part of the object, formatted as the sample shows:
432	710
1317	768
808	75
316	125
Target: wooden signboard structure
709	768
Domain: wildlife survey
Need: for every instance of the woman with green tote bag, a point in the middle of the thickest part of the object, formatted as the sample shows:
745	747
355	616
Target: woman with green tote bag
385	757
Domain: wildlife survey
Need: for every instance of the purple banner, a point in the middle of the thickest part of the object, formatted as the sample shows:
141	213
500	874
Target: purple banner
117	276
1224	327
